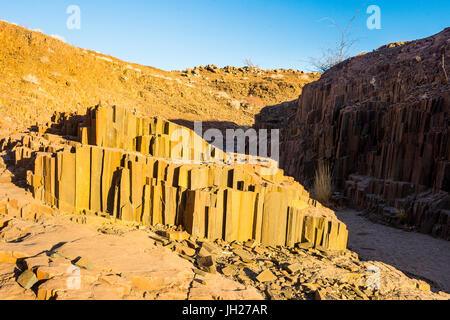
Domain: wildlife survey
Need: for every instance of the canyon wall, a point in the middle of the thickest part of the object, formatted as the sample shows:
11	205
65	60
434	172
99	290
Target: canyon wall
381	120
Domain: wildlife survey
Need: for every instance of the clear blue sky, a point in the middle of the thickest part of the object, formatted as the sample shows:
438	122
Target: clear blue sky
176	34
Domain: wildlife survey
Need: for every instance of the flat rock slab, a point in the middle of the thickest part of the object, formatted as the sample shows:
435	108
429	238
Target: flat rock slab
244	255
266	276
84	263
27	279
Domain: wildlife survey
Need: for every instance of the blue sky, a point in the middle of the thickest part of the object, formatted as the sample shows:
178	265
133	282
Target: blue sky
174	35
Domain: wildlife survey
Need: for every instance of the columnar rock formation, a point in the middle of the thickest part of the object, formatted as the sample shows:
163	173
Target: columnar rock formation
278	116
382	121
113	163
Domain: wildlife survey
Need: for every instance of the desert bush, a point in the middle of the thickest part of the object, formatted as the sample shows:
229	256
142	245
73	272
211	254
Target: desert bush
329	59
333	56
249	63
323	184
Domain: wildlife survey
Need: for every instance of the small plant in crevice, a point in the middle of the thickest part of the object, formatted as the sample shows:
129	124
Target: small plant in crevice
401	216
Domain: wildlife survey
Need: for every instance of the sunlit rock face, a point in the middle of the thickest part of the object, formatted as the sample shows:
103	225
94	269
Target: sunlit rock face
113	162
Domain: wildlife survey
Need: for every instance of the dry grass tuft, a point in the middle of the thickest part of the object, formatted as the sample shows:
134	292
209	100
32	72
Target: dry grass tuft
323	184
401	215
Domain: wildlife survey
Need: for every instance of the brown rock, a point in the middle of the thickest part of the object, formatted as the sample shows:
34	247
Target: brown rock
311	286
84	263
159	239
244	255
243	278
229	271
211	248
177	235
422	285
259	250
250	244
293	268
320	295
185	250
27	279
266	276
32	263
203	252
200	273
207	264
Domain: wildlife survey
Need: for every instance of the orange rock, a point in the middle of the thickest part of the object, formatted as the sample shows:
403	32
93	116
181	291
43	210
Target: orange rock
266	276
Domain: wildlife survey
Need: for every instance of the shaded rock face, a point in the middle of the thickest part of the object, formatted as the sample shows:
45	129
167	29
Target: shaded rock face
278	116
382	120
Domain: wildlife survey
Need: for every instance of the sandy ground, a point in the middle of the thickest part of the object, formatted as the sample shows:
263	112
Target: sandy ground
417	254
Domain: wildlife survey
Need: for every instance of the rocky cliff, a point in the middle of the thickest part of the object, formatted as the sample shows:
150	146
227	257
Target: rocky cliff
382	121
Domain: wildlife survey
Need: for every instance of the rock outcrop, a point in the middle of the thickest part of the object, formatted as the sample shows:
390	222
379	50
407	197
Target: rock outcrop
41	75
276	117
382	121
114	163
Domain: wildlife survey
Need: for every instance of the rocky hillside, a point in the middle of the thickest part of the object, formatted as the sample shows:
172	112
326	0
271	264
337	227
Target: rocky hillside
381	120
40	74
